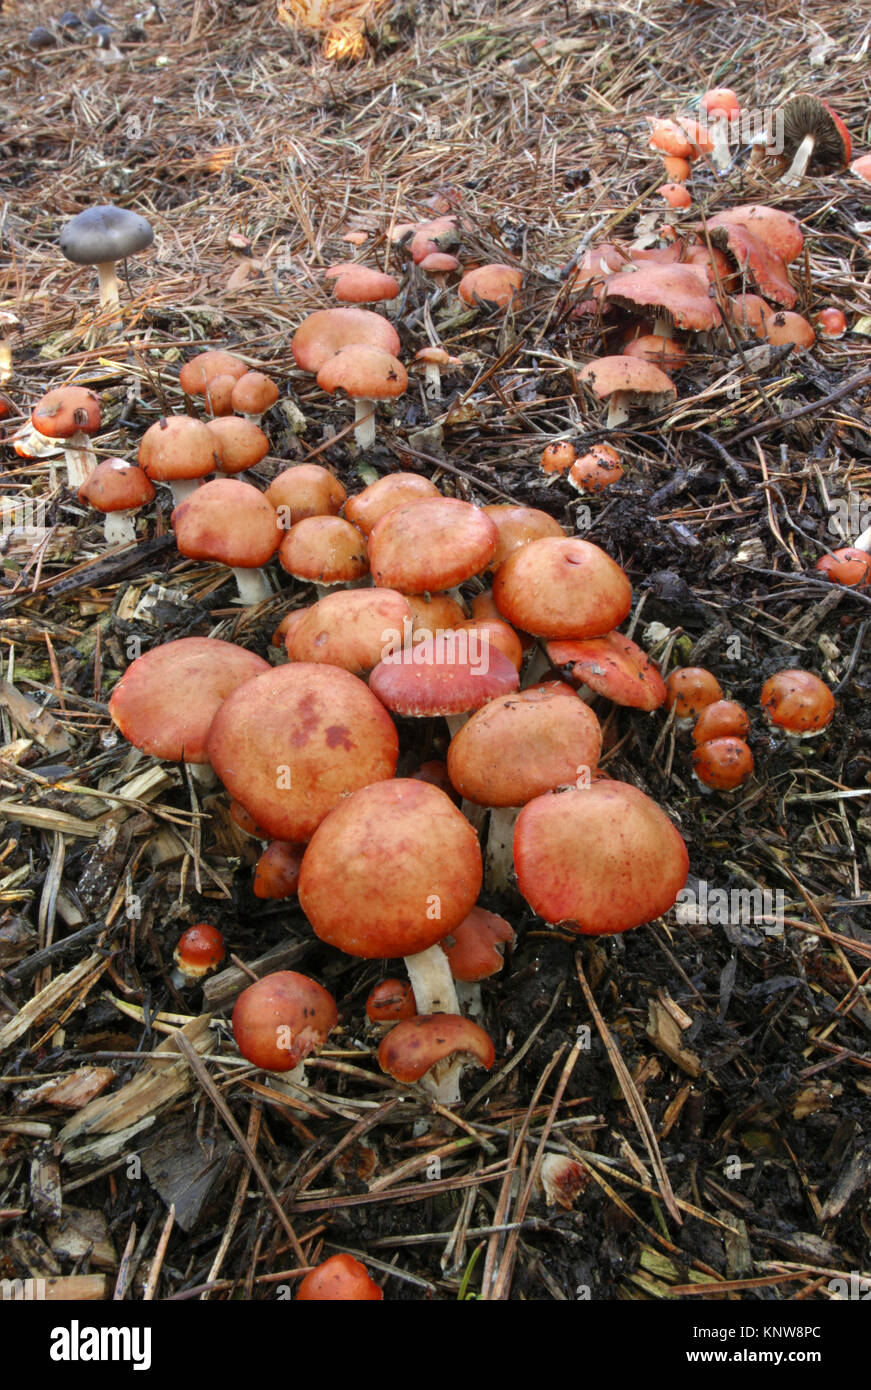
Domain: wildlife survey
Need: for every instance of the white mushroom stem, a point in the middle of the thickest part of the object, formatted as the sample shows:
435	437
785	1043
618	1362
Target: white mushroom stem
617	412
80	460
109	297
364	422
796	171
661	328
181	488
253	586
5	360
864	541
119	528
433	377
443	1080
432	982
455	722
721	153
499	855
203	774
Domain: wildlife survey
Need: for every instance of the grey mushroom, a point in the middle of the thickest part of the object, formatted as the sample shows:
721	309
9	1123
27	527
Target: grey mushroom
40	37
101	236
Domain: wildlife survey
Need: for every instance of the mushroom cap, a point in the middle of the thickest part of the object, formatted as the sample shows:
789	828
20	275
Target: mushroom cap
254	393
472	948
360	284
558	458
437	356
429	612
166	700
308	490
394	868
431	545
416	1045
517	747
601	859
517	527
228	521
600	467
831	323
562	588
389	1001
682	293
450	675
241	443
196	373
327	330
676	195
439	263
498	634
806	115
721	101
782	327
340	1279
723	763
764	269
364	373
365	508
668	137
861	167
65	411
614	666
177	446
200	948
104	233
639	379
116	486
349	628
276	873
490	284
432	237
324	550
847	566
281	1019
295	741
749	311
722	719
218	395
689	689
797	701
666	353
778	230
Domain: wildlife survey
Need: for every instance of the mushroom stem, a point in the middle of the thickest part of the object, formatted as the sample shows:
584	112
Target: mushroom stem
109	297
119	528
721	155
443	1080
499	857
433	378
203	774
5	360
253	586
455	722
796	171
432	982
181	488
364	423
80	460
617	412
864	541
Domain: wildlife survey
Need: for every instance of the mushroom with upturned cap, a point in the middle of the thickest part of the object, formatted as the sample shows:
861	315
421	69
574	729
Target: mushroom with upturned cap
232	523
433	1049
813	134
367	374
102	236
613	666
117	489
627	383
389	872
70	414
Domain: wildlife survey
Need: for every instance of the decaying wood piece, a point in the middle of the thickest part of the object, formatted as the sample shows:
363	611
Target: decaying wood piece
48	1000
136	1106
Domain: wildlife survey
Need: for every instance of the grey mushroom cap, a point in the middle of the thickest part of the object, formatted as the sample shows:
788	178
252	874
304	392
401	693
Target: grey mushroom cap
104	233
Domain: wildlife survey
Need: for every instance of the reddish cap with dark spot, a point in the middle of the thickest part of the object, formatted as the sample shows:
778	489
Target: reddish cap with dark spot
689	689
350	628
282	1019
562	588
166	700
66	411
391	870
199	950
389	1001
723	763
291	744
797	701
614	666
426	546
416	1045
601	859
722	719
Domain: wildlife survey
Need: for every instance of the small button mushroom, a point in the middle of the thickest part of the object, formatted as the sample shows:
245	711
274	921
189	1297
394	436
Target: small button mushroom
783	327
359	284
491	285
200	950
434	360
179	451
562	1180
305	490
390	1001
797	702
281	1020
340	1279
118	489
722	764
102	236
434	1049
254	394
721	719
849	566
276	873
831	323
558	458
70	414
241	444
232	523
368	375
677	195
598	469
690	689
